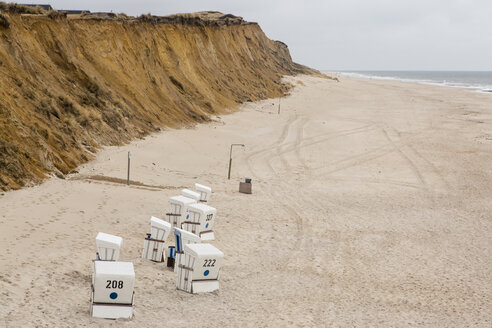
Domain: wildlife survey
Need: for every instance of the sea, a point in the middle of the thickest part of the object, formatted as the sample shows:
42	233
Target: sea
479	81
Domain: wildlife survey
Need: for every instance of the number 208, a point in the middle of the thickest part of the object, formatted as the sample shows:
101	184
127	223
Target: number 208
114	284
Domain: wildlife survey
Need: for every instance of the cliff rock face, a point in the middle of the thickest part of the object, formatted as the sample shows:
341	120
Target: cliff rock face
70	85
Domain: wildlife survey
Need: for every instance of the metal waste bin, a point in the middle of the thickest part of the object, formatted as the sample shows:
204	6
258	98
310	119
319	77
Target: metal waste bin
245	187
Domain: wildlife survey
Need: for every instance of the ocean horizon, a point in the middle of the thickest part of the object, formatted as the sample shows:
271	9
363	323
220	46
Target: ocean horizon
480	81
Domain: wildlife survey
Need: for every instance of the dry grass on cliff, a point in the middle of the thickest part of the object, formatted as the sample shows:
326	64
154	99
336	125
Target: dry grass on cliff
4	22
66	93
14	8
55	14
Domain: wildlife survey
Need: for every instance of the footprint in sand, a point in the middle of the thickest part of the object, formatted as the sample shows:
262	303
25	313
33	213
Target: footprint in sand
5	279
102	204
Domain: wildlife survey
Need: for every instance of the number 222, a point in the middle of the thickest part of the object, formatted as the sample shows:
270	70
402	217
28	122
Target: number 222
209	263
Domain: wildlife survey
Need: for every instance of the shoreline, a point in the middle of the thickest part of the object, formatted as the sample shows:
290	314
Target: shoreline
370	207
360	75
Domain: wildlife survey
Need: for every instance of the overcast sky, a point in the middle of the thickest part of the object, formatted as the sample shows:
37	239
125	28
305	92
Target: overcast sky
350	34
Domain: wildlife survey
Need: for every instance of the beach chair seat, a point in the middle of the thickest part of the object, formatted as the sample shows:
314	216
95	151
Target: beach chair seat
205	192
200	220
199	270
178	206
154	243
108	246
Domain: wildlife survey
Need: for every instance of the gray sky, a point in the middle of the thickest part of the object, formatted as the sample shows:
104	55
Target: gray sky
350	34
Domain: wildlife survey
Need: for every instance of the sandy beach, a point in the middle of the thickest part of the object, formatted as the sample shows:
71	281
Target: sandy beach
371	206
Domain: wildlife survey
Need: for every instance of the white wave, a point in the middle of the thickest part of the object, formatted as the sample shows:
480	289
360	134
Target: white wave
483	88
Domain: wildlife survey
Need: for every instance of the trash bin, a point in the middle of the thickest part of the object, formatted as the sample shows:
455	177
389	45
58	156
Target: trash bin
245	187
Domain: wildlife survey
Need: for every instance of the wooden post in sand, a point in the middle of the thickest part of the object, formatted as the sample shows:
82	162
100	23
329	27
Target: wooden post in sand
230	164
128	171
230	160
279	105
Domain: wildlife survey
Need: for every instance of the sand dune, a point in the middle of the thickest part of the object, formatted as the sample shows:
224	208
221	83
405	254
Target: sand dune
371	207
70	85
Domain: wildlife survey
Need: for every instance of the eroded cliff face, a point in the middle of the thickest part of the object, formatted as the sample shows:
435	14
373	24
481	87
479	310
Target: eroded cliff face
68	86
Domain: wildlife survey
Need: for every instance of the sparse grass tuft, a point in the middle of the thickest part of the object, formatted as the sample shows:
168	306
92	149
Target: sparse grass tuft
146	18
14	8
55	14
176	82
122	16
68	106
4	22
